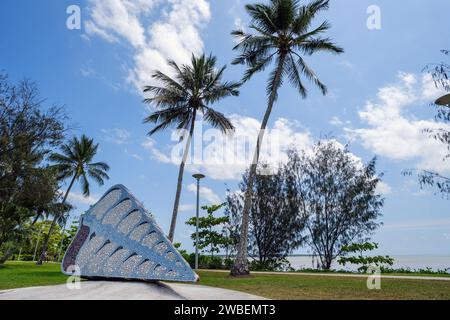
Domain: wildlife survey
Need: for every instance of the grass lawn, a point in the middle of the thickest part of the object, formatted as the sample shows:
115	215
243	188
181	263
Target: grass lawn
293	287
26	274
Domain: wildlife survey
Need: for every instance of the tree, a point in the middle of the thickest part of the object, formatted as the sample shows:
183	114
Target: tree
362	260
12	221
33	240
440	74
283	34
180	99
274	226
29	130
76	163
337	198
209	235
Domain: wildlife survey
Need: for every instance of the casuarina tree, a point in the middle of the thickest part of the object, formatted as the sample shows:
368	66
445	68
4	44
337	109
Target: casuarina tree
337	198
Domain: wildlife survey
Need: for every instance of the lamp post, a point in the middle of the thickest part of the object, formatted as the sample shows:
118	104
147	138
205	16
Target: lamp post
198	177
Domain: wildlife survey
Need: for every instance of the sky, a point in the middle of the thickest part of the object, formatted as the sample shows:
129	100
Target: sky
378	100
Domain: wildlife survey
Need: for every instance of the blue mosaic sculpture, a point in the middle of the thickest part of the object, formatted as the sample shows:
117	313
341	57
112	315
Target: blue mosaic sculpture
119	239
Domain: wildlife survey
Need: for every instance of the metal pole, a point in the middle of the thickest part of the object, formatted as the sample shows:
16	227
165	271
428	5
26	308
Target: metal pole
198	177
197	223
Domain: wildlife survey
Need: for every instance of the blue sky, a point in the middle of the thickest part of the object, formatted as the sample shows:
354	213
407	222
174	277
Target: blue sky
378	97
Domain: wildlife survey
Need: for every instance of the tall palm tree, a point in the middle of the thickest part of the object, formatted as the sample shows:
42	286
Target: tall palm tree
179	99
75	162
282	34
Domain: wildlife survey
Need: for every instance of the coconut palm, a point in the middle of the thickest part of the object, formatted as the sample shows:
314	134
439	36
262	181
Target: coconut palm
76	163
179	99
281	37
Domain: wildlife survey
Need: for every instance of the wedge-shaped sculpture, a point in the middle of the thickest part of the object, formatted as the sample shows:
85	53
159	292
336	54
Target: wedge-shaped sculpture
119	239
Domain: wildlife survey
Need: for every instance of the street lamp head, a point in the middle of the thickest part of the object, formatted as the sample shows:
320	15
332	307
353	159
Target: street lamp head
443	101
199	176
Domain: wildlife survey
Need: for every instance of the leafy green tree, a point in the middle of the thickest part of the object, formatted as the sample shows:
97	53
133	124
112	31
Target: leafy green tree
75	163
282	34
192	90
337	198
29	130
53	241
12	222
364	261
210	237
275	227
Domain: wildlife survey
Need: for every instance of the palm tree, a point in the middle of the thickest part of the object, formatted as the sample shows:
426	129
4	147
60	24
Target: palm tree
283	35
75	162
180	98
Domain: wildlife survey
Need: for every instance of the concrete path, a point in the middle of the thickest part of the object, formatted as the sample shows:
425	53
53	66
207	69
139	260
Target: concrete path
342	275
105	290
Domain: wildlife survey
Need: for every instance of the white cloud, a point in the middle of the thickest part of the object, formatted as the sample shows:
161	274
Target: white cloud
205	193
119	19
174	35
430	91
236	14
186	208
116	135
137	157
150	145
226	158
392	129
337	121
78	198
383	188
223	157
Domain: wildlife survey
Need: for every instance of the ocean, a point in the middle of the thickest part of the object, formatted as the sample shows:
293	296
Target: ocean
404	261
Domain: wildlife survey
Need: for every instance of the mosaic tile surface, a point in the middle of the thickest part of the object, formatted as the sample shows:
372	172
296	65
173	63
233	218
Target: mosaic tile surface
118	238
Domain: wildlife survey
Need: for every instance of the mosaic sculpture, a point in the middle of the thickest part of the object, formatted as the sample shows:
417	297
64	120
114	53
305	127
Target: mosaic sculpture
119	239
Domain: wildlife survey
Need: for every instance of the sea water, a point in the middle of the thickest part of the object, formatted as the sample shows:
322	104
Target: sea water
412	262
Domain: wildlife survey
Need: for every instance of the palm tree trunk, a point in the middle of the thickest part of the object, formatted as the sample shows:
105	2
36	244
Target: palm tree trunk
37	244
55	219
240	266
62	239
173	224
6	255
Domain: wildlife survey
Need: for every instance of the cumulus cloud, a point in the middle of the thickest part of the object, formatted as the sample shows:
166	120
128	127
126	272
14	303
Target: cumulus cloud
155	30
206	193
78	198
116	135
226	157
150	145
394	132
383	188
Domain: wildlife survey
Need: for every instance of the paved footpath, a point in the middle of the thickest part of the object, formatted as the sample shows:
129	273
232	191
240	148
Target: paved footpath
108	290
342	275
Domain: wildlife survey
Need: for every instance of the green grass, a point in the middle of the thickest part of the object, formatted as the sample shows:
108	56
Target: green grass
296	287
27	274
284	286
